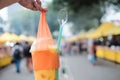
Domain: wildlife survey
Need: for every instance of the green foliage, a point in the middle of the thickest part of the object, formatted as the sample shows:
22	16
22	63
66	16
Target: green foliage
74	5
29	20
26	23
84	14
85	19
52	19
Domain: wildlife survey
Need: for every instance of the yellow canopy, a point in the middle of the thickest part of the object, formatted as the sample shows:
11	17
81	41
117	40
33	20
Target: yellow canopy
115	31
31	39
82	35
9	37
22	37
100	31
5	37
72	39
14	38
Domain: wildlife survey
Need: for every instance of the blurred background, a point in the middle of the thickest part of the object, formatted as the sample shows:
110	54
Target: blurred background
90	46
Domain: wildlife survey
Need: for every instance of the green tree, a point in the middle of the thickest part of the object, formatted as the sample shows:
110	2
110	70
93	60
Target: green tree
84	14
76	5
27	22
52	18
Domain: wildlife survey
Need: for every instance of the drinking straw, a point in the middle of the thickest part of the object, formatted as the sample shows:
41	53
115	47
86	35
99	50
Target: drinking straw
62	19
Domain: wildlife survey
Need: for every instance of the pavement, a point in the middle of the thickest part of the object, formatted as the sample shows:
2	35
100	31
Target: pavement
73	67
9	73
79	68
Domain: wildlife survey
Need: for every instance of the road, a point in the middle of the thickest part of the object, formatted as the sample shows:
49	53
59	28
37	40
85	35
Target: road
9	73
77	67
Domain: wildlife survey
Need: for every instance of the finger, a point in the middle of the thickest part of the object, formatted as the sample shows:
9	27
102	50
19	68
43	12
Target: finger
37	6
39	2
34	9
41	9
33	4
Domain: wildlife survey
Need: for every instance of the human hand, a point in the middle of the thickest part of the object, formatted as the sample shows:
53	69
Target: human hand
32	4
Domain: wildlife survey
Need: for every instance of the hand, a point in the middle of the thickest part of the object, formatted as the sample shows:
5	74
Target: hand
32	4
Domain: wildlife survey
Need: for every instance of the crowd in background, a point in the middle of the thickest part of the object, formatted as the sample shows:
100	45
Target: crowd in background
20	51
90	46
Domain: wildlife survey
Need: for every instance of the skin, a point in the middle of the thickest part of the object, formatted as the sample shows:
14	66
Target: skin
34	5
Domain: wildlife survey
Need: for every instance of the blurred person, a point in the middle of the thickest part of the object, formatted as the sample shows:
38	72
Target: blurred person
34	5
17	55
80	47
94	47
68	48
28	56
74	49
62	48
91	54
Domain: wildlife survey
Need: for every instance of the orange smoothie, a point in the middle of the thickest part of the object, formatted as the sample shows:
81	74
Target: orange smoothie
45	63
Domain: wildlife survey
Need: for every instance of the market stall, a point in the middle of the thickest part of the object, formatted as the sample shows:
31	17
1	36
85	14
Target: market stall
5	57
108	54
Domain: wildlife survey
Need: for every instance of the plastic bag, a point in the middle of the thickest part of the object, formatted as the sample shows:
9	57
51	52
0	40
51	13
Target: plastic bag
45	59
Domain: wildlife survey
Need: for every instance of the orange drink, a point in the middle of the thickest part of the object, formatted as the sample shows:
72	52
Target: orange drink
45	63
52	48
